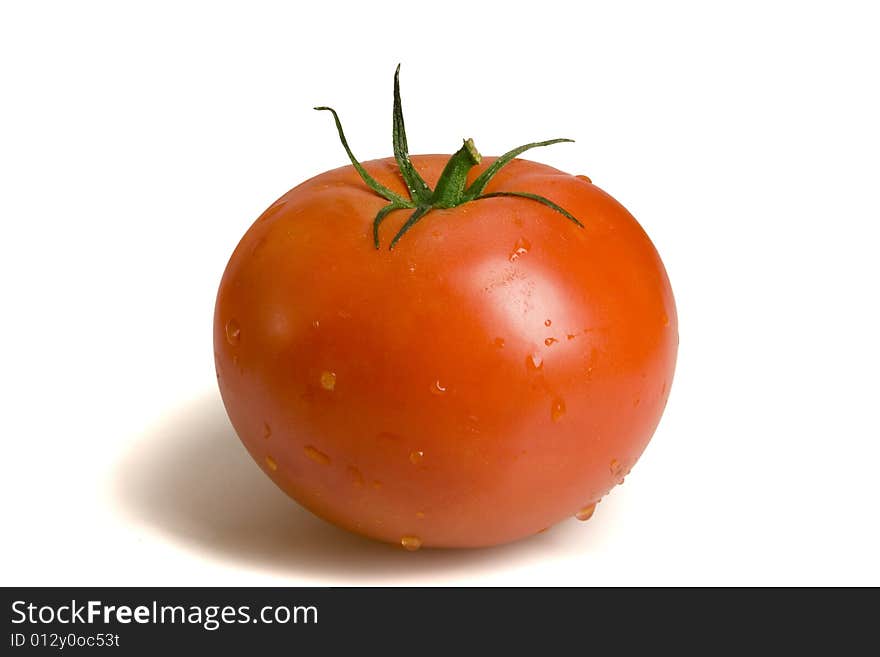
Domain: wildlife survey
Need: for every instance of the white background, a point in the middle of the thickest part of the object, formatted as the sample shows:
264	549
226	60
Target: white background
139	142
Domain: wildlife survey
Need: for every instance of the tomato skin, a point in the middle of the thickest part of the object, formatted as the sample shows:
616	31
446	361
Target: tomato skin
497	371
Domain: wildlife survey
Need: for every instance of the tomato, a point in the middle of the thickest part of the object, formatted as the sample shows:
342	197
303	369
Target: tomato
500	369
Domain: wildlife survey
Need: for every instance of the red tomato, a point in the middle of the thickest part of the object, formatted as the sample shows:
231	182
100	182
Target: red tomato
499	370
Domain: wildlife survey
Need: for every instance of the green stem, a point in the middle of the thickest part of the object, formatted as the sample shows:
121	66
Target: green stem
535	197
451	189
483	179
371	182
414	218
418	188
380	217
450	186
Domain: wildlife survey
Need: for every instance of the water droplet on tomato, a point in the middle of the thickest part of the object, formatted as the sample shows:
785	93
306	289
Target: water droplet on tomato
328	380
550	341
582	177
534	362
665	319
316	323
547	322
636	402
271	464
411	543
233	332
586	513
571	336
438	388
416	457
557	410
521	248
267	430
316	455
499	342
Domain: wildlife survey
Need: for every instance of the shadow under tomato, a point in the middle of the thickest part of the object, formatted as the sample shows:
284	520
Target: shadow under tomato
192	479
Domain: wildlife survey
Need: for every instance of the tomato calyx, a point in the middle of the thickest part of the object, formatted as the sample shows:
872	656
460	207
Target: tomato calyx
451	190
